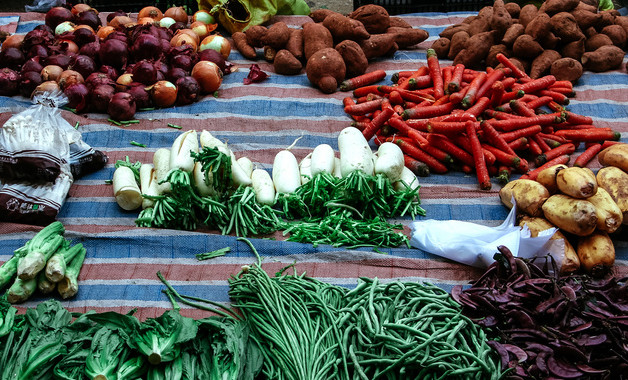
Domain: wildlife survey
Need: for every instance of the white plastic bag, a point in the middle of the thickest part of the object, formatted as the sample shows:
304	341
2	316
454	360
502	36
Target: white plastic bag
43	5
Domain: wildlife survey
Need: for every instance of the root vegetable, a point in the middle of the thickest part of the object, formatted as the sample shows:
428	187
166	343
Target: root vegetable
571	262
539	26
241	44
389	161
161	163
512	33
596	253
576	216
526	47
379	45
609	216
405	37
576	182
323	159
326	69
355	60
345	28
286	63
286	175
616	33
529	196
355	152
305	169
615	155
547	177
374	17
295	43
180	157
604	58
264	188
501	19
594	42
528	13
457	43
555	6
319	15
573	49
441	47
543	62
148	184
615	182
202	183
277	35
255	34
566	69
476	49
564	26
125	189
315	37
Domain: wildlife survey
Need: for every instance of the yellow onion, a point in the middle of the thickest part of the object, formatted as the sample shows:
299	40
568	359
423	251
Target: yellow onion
124	82
183	39
208	75
204	16
68	78
178	14
218	43
47	86
51	72
201	29
14	40
163	93
104	31
151	12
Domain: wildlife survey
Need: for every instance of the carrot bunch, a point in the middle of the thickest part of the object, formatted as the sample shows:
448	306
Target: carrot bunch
489	122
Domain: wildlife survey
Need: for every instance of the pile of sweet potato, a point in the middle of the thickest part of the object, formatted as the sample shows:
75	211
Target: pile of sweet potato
332	47
561	37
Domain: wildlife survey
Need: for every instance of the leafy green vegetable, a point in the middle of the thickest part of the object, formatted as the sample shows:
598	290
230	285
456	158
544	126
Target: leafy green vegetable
104	356
212	254
218	164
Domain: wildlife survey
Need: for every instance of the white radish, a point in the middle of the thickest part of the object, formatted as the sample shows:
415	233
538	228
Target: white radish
355	152
208	140
180	157
161	162
305	169
286	175
389	161
407	178
323	159
198	177
246	164
337	172
125	189
263	186
148	184
238	175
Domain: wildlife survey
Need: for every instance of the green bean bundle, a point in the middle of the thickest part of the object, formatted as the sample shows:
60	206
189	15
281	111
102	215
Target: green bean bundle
407	330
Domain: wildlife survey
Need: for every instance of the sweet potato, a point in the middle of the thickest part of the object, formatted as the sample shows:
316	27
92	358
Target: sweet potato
286	63
374	17
576	216
526	47
576	182
529	196
623	22
609	215
570	262
441	47
604	58
555	6
564	26
587	7
541	64
254	35
527	13
547	177
615	182
616	33
512	33
379	45
269	53
449	31
491	57
573	49
241	44
549	41
607	18
590	32
594	42
513	8
479	25
406	38
539	26
277	35
458	42
500	18
295	43
345	28
398	22
356	62
315	37
566	69
476	49
615	155
585	18
319	15
325	69
596	253
486	12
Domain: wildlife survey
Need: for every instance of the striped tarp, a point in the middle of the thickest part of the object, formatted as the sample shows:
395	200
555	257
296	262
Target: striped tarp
258	120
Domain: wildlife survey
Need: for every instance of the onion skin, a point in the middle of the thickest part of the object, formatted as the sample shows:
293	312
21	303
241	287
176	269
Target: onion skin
98	79
13	58
204	17
105	31
121	107
39	51
163	94
32	65
213	56
60	60
124	82
166	22
208	75
68	78
14	40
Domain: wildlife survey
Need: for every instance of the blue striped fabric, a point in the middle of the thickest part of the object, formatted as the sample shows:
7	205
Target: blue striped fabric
258	120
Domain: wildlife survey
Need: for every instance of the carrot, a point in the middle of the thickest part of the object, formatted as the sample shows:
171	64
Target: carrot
474	86
551	143
362	80
405	82
405	129
575	126
456	78
532	174
556	96
363	91
536	85
568	92
478	157
519	144
377	123
500	115
542	144
364	108
438	154
521	108
553	153
399	109
534	148
446	127
509	82
608	143
446	145
419	168
348	101
523	132
463	142
493	137
480	105
503	174
585	157
404	74
447	73
513	124
497	92
538	102
494	76
549	136
415	96
395	98
573	118
428	111
419	82
418	154
508	63
510	95
589	135
562	83
361	125
457	97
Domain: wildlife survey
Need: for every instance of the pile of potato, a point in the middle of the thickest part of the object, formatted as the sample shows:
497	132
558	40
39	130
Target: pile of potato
561	37
332	47
586	207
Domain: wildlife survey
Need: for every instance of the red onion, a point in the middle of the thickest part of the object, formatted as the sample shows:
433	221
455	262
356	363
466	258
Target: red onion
118	35
113	53
117	13
99	79
83	36
161	66
9	80
184	49
145	72
57	15
83	64
177	26
44	27
89	17
183	61
188	90
38	51
161	76
175	73
32	65
91	50
100	96
65	47
122	106
58	60
110	71
28	82
146	46
163	33
213	56
37	37
165	46
12	58
140	95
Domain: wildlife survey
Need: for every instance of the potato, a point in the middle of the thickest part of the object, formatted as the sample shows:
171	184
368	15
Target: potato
596	253
539	26
576	216
573	49
547	177
449	31
458	42
585	18
374	17
254	35
576	182
609	216
398	22
555	6
615	182
543	62
479	25
319	15
571	262
513	8
500	19
549	41
476	49
566	69
441	47
491	57
526	47
529	196
604	58
241	44
295	43
379	45
408	37
615	155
